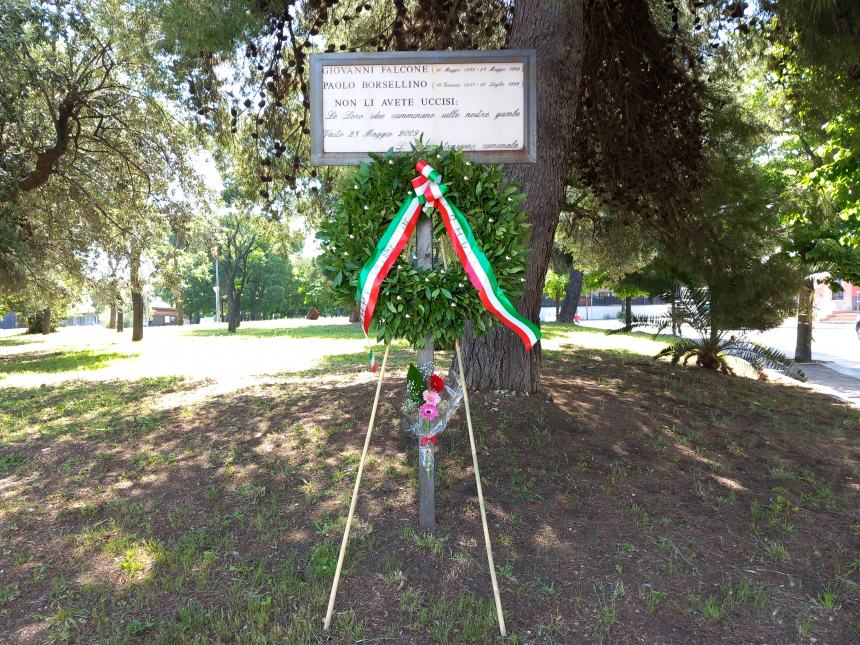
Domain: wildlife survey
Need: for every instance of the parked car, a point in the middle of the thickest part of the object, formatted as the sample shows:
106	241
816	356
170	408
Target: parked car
857	327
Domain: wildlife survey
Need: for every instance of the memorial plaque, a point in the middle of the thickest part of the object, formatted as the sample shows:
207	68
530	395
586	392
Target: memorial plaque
481	102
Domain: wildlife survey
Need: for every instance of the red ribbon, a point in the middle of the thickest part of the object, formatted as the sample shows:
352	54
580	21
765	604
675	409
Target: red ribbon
428	439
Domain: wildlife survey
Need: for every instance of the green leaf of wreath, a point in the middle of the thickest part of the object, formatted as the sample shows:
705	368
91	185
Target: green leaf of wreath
350	235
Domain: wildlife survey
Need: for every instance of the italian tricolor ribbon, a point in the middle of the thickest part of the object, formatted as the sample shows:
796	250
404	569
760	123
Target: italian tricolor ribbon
429	193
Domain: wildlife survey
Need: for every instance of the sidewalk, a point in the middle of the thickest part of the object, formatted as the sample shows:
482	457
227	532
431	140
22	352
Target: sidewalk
828	381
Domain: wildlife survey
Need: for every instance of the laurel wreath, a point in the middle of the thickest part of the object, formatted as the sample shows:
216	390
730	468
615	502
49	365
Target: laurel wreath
414	302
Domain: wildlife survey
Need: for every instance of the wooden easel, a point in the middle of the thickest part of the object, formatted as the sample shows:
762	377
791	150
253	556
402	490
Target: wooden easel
352	504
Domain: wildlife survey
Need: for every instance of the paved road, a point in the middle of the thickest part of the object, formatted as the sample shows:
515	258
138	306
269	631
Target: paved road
836	350
824	379
835	345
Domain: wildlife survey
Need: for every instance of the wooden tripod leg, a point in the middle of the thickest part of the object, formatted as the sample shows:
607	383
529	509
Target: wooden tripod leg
498	597
355	492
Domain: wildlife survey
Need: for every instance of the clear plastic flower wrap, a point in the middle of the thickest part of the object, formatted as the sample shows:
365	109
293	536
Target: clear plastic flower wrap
428	415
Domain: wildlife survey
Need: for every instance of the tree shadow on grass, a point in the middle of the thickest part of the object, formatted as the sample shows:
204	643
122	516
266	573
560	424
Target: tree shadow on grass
59	361
552	330
222	520
82	410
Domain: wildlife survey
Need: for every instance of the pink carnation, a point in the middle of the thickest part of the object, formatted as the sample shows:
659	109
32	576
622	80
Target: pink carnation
428	411
432	397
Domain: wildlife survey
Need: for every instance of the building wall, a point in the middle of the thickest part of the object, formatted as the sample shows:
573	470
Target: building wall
81	320
9	321
608	312
827	302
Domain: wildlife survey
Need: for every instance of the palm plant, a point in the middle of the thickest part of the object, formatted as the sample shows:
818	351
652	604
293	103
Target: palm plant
711	347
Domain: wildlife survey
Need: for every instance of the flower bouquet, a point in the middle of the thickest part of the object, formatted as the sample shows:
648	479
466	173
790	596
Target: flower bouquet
427	412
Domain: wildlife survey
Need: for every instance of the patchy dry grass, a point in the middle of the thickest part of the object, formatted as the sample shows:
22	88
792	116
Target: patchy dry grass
629	500
347	332
59	361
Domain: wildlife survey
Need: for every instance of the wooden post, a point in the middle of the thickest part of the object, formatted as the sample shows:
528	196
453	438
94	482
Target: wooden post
426	471
499	613
355	488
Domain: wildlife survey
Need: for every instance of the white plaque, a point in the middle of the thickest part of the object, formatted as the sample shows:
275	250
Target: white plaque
480	102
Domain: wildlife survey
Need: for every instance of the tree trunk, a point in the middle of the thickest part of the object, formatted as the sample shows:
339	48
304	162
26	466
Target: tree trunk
119	326
112	321
628	313
136	315
571	296
234	302
805	318
353	314
499	360
255	306
136	298
180	311
180	306
46	320
557	307
674	315
232	309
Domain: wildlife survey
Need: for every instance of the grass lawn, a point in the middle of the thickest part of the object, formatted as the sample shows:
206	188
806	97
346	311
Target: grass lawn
309	331
59	361
630	500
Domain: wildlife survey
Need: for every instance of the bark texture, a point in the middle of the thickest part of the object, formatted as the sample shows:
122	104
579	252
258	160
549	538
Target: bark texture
46	159
498	360
628	313
180	312
177	296
46	320
136	299
233	299
119	322
805	317
571	296
112	321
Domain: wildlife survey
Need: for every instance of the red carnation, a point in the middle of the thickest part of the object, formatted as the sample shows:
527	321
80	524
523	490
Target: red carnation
436	383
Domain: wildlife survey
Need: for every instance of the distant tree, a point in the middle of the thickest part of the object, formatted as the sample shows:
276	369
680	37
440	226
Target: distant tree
265	291
180	254
627	290
241	233
554	286
314	290
814	124
198	295
45	298
77	130
797	61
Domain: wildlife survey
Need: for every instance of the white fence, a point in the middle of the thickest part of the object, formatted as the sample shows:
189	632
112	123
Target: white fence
608	312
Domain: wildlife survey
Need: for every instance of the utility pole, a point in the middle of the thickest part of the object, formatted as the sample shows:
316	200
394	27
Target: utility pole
426	470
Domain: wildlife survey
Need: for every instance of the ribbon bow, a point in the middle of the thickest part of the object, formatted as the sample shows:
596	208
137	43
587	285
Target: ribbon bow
428	187
430	193
428	439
